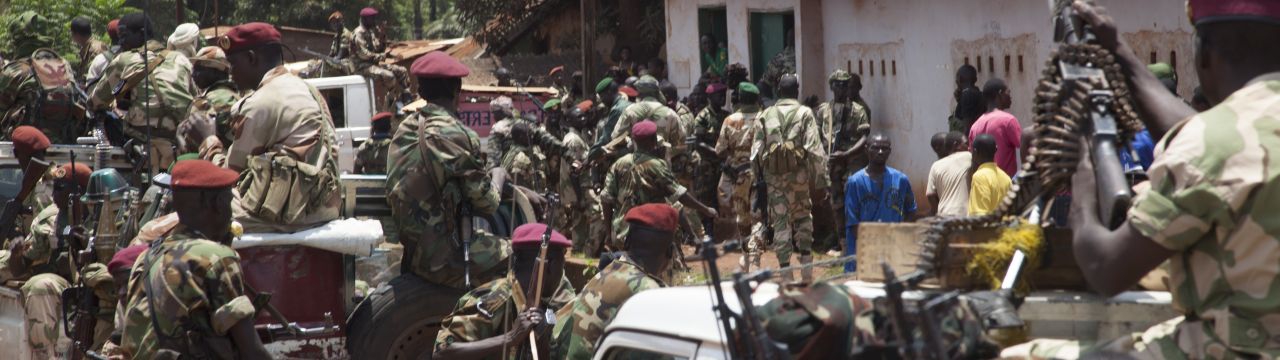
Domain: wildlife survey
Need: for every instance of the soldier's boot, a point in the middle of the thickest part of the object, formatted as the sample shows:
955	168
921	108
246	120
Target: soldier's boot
806	274
787	275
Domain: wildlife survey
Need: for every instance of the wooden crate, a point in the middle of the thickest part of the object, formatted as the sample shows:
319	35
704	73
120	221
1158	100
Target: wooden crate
898	245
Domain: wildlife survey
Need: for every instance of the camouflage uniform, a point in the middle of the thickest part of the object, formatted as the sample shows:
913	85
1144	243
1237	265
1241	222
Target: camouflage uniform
578	203
55	105
42	292
286	121
217	102
341	46
525	164
371	156
490	310
426	194
839	129
650	107
87	52
1212	196
782	63
706	171
734	149
161	98
788	151
636	179
685	167
581	323
195	285
367	52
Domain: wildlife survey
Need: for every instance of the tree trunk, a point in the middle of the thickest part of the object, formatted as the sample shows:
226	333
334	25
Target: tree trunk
417	17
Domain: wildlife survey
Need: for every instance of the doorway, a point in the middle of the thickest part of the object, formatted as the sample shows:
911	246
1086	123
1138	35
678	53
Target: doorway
713	22
769	31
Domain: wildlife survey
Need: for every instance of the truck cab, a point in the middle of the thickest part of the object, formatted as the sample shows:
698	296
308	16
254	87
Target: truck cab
350	100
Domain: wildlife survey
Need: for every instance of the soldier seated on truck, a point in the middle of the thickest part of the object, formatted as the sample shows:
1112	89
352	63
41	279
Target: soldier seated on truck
497	318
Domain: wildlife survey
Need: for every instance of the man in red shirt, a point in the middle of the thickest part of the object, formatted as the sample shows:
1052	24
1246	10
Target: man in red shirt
1000	124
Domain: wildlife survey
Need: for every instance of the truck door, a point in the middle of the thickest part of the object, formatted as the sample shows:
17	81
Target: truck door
625	345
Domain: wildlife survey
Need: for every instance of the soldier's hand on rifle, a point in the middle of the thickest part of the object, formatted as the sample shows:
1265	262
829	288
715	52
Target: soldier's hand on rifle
1102	24
526	321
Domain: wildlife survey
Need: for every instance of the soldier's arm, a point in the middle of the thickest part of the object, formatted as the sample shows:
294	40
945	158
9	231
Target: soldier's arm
232	313
101	96
363	51
813	142
1160	109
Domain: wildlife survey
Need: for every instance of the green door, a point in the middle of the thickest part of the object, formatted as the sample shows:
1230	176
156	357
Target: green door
768	33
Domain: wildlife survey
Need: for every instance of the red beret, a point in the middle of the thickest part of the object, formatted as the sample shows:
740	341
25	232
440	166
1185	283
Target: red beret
585	105
113	28
531	234
644	129
382	116
27	139
655	215
630	91
126	257
1204	11
438	65
368	12
201	174
716	87
80	173
247	36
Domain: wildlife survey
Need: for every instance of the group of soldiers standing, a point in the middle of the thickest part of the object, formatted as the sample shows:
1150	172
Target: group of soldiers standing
221	135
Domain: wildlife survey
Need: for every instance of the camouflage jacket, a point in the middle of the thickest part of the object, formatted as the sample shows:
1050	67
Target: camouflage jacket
604	134
217	102
1212	200
782	63
500	142
490	310
575	150
636	179
371	156
682	165
366	48
526	167
195	285
87	52
670	133
736	136
341	46
434	167
839	133
41	245
581	322
53	104
161	97
787	140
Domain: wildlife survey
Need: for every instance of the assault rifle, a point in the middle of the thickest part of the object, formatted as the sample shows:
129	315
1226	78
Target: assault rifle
745	336
79	304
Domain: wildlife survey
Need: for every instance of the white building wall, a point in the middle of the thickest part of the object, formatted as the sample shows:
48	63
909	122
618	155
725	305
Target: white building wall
920	43
929	39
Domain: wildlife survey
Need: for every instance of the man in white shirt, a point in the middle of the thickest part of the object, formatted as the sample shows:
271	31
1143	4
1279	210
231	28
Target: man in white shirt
948	188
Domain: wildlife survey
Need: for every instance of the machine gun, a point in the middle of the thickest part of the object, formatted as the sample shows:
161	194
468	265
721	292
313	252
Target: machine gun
79	304
745	336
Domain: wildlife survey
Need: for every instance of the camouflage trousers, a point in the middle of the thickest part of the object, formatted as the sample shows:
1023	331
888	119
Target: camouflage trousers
42	299
734	196
489	254
790	214
390	81
575	221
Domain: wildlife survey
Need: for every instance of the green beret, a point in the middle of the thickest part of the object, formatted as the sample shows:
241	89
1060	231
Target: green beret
839	75
603	84
749	88
1162	71
551	104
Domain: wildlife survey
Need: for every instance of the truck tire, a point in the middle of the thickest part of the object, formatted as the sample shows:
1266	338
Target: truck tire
399	320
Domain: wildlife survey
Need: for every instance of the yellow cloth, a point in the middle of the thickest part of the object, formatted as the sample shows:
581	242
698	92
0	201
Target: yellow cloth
987	190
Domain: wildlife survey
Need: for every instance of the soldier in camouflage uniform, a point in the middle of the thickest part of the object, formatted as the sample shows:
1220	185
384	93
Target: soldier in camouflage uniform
55	105
89	46
581	323
341	46
371	156
788	152
186	295
1211	196
640	178
844	125
427	195
493	321
651	106
733	152
579	203
154	86
706	132
519	145
368	50
40	259
210	71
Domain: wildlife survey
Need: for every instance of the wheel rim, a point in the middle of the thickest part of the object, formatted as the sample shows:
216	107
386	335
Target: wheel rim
414	341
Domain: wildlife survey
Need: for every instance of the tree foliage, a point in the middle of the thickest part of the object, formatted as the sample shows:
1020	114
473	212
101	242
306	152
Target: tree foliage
60	12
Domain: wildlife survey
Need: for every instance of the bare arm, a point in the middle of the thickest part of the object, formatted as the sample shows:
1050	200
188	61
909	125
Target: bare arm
933	204
1112	260
1159	108
511	340
688	200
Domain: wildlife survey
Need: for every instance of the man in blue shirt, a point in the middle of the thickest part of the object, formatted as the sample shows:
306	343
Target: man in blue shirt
877	193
